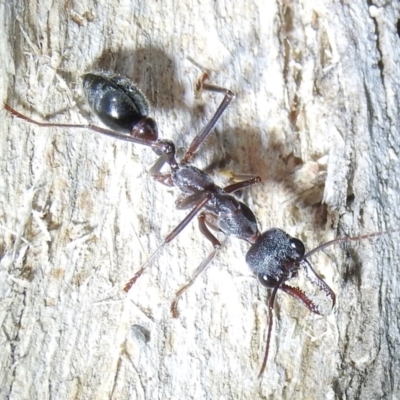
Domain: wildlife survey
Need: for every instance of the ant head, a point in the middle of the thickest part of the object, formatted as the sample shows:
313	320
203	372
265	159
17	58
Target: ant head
275	255
275	258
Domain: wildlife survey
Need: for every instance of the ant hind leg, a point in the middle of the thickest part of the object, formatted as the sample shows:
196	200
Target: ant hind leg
200	138
202	267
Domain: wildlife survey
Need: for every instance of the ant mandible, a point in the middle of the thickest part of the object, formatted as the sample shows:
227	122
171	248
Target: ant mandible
274	256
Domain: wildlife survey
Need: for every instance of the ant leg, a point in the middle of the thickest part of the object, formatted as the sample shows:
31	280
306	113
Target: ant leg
165	179
183	202
172	235
204	264
271	303
116	135
154	171
157	166
240	185
205	132
348	239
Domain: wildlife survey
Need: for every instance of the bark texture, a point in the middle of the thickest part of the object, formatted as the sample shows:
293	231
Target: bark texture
316	116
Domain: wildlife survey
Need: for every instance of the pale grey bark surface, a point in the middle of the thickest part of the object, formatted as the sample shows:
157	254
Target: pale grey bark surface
316	116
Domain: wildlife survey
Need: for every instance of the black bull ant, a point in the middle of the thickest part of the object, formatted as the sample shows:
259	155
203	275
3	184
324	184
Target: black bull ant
274	256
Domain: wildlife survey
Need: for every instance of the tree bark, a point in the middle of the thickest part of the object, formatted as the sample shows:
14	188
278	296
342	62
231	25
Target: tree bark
316	116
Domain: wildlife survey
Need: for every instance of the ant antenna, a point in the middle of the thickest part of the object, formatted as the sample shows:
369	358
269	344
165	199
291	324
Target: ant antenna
348	239
271	303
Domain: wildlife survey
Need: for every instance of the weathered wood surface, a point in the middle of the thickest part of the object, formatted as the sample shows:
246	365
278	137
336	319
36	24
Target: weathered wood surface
316	116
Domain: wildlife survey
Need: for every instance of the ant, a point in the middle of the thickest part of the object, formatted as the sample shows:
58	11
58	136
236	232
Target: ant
274	256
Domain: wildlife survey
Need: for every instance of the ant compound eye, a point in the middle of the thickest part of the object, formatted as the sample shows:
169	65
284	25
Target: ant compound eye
298	246
266	281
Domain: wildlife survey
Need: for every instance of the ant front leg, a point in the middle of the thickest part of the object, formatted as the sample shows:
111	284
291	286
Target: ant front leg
202	267
205	132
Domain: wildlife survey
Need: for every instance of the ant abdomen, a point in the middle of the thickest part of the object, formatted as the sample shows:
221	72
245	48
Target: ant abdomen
119	104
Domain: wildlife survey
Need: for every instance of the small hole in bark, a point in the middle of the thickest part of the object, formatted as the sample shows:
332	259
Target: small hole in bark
141	333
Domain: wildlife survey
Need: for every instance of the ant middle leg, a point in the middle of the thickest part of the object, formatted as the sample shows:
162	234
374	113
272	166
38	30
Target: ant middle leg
172	235
202	267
